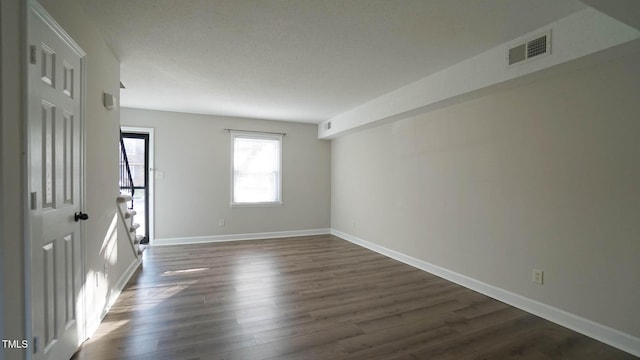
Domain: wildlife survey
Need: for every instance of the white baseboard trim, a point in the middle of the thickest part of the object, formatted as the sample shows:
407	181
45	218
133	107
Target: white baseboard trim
114	294
603	333
237	237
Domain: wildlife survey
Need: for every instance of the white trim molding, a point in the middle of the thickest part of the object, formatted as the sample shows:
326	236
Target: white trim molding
603	333
238	237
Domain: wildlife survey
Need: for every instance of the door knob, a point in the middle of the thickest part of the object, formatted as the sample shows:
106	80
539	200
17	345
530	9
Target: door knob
80	216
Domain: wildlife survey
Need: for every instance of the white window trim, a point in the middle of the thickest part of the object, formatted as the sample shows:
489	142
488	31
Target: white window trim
254	135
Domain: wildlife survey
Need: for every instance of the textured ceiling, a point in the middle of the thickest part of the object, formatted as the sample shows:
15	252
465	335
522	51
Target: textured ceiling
298	60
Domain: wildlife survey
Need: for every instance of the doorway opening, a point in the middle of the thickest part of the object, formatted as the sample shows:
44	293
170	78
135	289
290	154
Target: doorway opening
138	147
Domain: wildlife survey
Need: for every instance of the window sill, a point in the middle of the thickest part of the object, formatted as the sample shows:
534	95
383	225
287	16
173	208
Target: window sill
245	205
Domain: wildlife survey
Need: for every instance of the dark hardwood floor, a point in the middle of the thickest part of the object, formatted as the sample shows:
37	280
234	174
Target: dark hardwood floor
315	297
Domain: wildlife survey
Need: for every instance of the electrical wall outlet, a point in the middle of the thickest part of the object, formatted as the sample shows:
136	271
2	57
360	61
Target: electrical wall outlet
221	222
537	276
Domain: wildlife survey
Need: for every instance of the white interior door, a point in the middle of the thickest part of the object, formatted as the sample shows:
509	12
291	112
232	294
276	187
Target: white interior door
55	178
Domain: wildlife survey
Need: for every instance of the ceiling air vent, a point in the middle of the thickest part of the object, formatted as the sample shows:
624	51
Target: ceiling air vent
540	45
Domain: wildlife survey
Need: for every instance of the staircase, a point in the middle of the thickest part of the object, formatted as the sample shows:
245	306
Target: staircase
126	216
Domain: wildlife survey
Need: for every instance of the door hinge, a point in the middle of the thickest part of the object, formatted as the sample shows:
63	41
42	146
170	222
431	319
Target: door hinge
33	54
35	344
34	200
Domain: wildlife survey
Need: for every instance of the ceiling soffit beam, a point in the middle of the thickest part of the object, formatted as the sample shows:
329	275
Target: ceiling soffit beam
576	36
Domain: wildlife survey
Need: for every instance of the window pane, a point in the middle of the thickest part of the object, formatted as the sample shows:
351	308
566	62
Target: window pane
135	155
256	170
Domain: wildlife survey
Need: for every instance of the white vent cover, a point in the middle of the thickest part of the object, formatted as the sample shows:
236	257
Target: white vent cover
535	47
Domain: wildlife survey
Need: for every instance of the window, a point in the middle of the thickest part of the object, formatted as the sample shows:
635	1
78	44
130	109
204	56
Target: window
257	171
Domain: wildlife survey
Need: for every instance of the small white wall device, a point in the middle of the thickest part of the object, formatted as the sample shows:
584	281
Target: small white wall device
109	101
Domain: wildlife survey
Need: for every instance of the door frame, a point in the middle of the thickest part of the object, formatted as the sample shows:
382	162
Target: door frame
150	175
38	10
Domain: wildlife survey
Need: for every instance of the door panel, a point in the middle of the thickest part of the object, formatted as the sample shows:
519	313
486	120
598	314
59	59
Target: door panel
49	290
68	159
70	279
54	138
48	118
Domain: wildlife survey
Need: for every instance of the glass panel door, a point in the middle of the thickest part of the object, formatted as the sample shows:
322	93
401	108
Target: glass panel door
137	148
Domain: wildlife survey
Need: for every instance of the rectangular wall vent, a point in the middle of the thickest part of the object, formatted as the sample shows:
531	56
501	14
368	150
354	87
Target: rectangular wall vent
328	125
537	47
540	45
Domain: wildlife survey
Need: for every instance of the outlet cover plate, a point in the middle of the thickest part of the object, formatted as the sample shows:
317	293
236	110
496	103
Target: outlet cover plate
537	276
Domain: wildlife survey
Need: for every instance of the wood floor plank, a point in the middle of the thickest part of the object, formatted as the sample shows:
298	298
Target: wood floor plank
314	297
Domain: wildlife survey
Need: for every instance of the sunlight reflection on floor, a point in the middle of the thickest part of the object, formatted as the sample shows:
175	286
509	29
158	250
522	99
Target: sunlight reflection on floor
185	271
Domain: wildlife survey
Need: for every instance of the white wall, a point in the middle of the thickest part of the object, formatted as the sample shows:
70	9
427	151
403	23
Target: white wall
11	167
544	176
193	152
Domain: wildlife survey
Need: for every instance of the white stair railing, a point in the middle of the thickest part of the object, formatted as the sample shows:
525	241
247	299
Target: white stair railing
126	216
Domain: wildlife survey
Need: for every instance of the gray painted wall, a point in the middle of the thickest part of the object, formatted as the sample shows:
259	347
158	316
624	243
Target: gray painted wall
11	179
193	153
541	176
